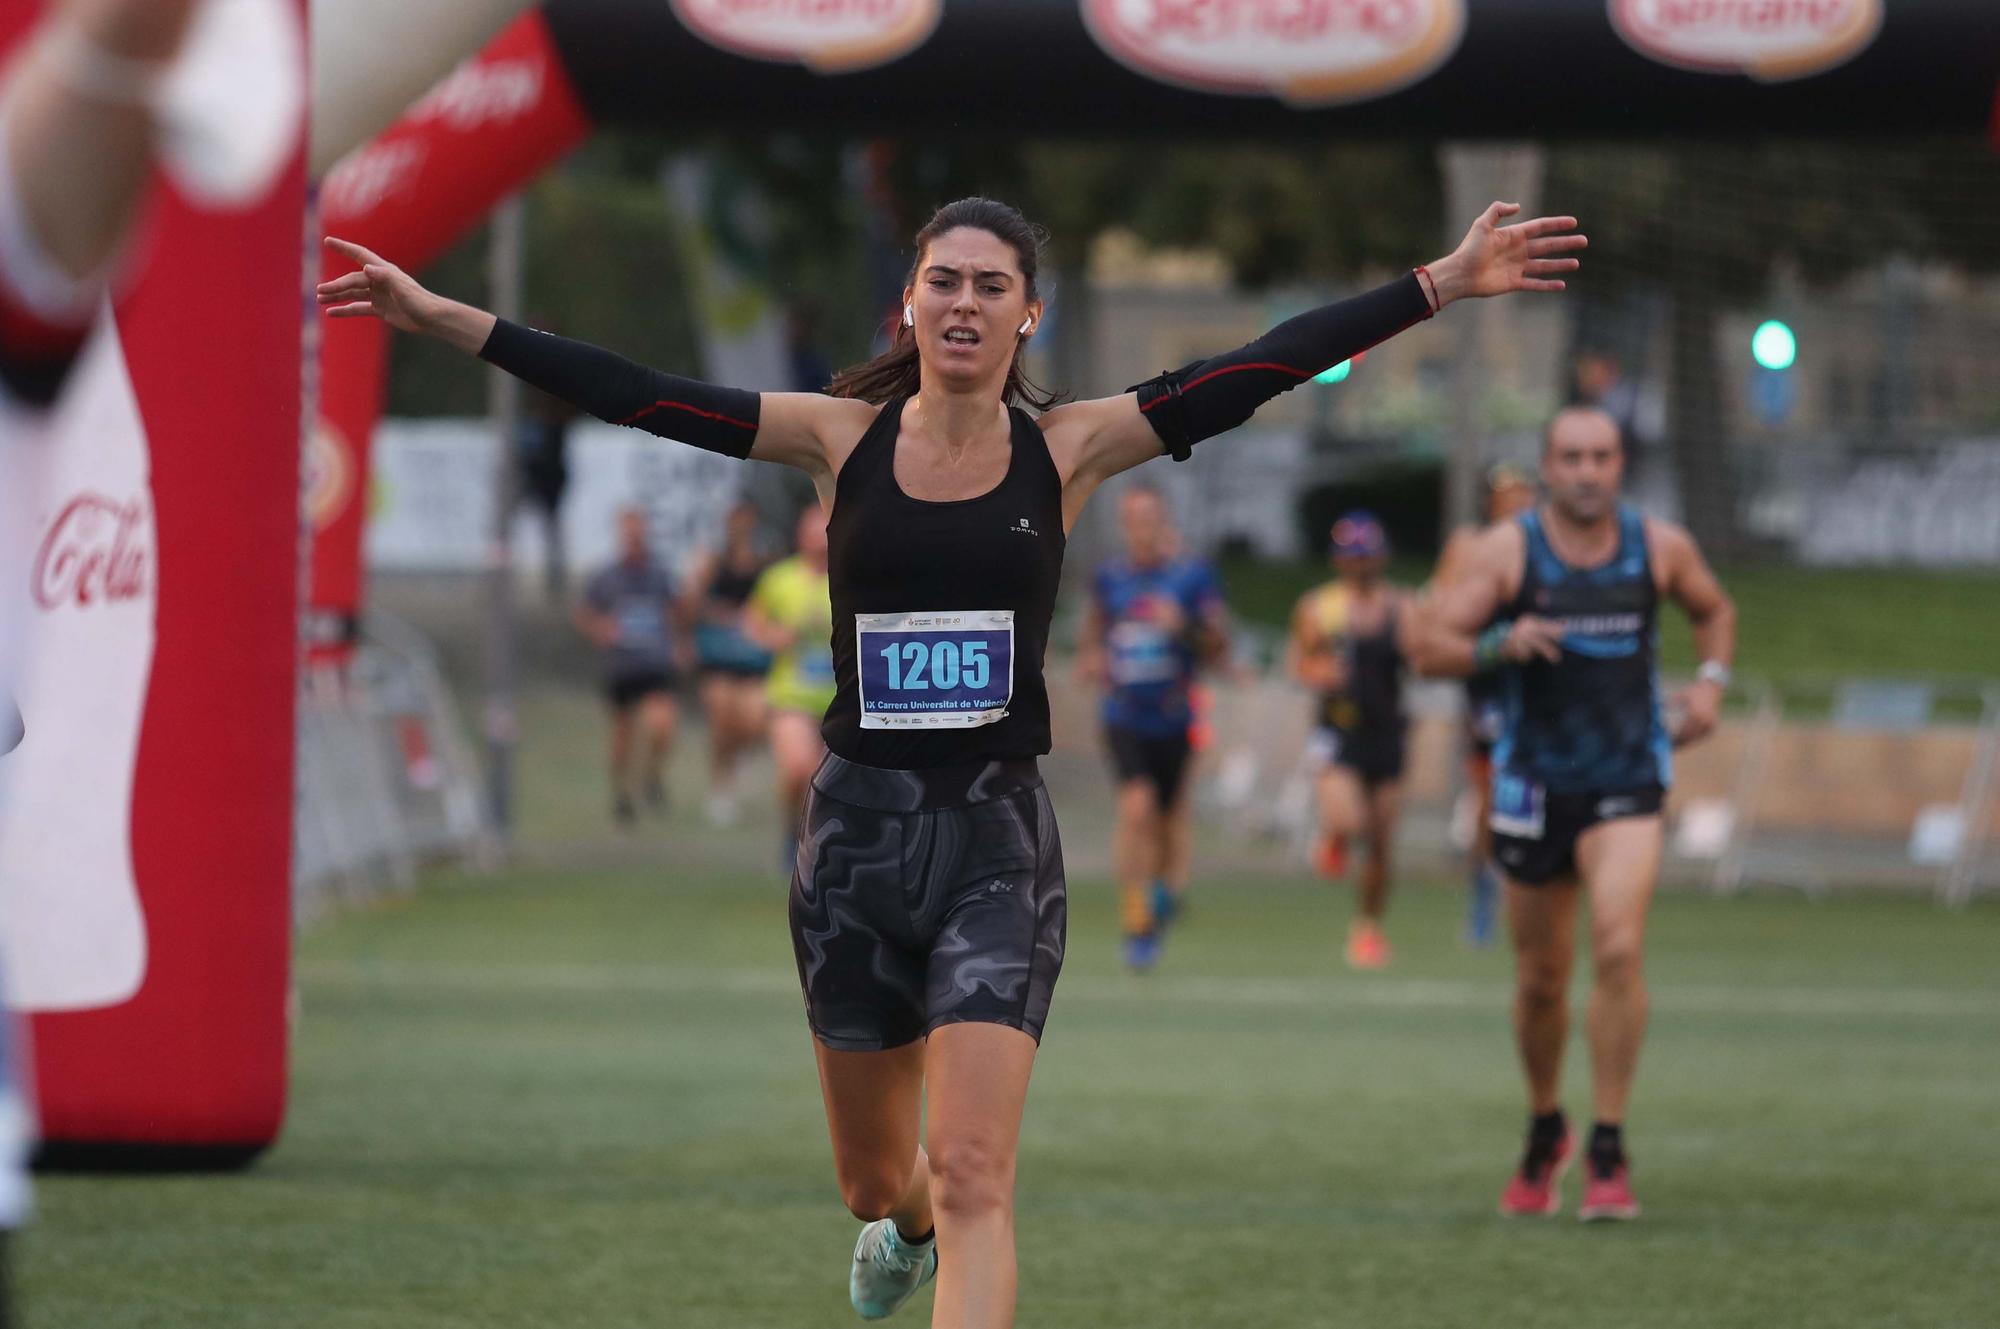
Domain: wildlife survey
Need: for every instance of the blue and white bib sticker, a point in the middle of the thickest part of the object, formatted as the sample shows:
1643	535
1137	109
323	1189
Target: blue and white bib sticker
1519	806
946	670
1140	654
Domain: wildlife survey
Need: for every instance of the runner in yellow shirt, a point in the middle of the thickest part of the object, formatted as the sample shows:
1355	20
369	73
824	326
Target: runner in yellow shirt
791	615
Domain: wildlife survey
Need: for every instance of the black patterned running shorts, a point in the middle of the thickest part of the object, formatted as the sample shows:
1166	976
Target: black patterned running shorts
925	898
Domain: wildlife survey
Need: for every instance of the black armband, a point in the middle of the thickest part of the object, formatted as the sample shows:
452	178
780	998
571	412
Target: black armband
1212	396
621	392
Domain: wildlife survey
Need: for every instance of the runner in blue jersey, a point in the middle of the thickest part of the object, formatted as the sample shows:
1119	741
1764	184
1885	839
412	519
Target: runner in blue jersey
1564	599
1155	618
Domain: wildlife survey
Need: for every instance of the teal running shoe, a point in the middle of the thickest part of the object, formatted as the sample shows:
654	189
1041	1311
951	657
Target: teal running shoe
888	1270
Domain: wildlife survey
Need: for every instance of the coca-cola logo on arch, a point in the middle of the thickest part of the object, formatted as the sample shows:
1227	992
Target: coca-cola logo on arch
95	552
1306	52
830	36
1769	40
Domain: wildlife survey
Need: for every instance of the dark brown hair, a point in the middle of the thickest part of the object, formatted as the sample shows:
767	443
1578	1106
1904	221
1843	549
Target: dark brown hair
897	372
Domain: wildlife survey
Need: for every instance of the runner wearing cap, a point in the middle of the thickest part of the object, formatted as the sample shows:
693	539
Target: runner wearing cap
1343	647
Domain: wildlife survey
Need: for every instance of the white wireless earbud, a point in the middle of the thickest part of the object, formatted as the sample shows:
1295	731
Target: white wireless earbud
909	316
1027	326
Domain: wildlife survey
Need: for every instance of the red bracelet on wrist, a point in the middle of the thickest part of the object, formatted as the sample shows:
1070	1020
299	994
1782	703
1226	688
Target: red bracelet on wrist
1429	283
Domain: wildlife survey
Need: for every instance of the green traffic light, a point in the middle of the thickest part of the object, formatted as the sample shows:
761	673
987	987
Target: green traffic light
1774	346
1337	374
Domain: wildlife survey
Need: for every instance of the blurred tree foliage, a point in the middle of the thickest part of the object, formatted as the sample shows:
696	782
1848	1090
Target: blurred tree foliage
602	264
1700	228
1277	213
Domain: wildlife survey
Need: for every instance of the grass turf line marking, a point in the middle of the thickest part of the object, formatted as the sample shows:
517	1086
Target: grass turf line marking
1389	993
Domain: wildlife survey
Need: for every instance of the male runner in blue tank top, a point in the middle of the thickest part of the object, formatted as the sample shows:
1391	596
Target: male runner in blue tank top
1155	618
1565	599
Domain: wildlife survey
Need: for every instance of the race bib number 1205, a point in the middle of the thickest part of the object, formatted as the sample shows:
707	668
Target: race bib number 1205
952	670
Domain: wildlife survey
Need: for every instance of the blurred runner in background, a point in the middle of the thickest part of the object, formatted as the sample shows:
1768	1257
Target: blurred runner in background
631	613
1155	618
1344	647
732	666
791	615
1565	599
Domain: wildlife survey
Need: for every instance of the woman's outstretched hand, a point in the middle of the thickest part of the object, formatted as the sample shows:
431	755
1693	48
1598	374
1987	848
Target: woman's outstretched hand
379	290
383	290
1497	260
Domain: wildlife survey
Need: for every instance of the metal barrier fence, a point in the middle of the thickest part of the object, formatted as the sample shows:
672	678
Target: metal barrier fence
1839	785
385	781
1845	785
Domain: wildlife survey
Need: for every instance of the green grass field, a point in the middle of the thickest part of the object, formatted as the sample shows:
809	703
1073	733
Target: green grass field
580	1092
585	1097
1796	624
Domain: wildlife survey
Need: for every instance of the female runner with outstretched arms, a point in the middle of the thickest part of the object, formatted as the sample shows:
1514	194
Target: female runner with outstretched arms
927	901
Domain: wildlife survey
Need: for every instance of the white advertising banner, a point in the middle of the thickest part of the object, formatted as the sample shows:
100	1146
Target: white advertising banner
83	584
431	499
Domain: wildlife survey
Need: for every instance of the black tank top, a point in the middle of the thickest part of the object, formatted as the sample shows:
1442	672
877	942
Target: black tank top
941	610
732	585
1372	701
1590	723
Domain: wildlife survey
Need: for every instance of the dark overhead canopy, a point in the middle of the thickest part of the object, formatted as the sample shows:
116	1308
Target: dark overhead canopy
1520	68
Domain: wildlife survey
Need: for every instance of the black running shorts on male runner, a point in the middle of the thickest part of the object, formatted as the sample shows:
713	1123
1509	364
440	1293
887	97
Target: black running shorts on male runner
1375	755
1535	843
1159	759
626	690
927	897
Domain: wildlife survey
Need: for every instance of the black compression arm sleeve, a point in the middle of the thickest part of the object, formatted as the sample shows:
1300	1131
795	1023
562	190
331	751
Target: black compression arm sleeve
620	392
1210	396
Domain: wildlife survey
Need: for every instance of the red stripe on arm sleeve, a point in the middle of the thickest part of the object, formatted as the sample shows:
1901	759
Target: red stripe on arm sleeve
621	392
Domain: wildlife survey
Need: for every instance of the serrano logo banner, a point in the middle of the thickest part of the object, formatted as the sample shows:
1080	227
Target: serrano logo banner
1770	40
1306	52
829	36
